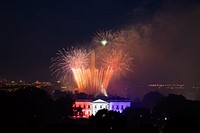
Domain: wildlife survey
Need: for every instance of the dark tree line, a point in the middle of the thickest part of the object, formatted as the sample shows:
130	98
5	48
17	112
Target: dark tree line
33	110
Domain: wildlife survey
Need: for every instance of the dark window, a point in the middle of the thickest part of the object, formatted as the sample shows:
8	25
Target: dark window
117	107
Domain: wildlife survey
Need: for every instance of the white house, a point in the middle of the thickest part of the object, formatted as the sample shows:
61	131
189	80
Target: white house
118	106
98	105
90	107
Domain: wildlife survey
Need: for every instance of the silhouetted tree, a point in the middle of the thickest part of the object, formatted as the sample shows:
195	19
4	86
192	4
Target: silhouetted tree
151	99
170	105
78	111
136	116
29	109
182	123
175	110
63	107
107	121
139	120
137	103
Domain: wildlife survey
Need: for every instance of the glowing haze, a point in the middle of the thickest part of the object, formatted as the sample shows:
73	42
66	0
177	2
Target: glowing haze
92	70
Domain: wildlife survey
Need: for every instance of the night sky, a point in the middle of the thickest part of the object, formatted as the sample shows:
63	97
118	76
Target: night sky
31	32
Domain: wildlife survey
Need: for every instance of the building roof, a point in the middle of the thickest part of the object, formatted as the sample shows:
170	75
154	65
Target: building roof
99	101
83	100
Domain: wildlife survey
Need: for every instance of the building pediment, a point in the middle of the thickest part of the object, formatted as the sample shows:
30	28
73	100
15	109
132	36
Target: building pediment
99	101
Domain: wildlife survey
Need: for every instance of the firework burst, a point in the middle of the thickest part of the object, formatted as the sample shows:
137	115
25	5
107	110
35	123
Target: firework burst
68	60
93	70
103	38
118	60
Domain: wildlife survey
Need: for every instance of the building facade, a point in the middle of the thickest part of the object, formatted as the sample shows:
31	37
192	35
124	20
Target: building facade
118	106
85	108
98	105
82	108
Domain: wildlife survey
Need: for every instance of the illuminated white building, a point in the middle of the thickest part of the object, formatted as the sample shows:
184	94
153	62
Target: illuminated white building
85	105
90	107
118	106
98	105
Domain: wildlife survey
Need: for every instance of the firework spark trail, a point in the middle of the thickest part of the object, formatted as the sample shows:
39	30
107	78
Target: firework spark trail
118	60
78	74
65	63
105	74
112	59
59	64
93	80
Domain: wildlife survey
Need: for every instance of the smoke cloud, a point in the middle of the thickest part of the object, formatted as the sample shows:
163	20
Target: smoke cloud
168	49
